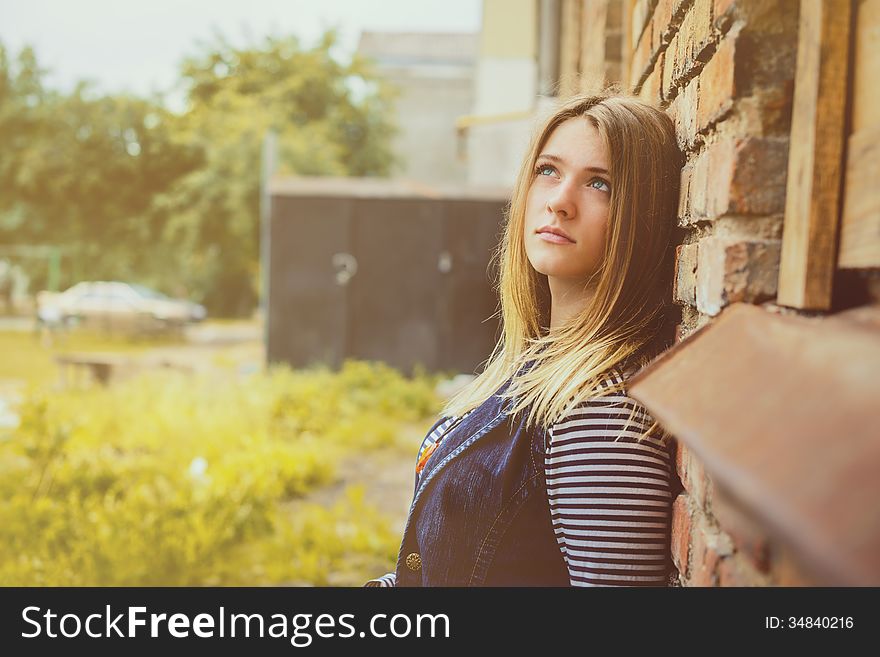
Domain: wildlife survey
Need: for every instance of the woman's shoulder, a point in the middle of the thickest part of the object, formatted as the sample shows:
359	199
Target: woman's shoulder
612	391
611	414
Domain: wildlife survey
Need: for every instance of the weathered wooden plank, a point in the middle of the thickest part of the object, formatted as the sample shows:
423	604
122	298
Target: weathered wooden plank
866	91
809	240
781	411
860	224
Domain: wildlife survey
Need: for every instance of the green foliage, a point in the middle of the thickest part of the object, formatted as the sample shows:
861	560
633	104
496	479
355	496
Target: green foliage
136	192
173	480
82	171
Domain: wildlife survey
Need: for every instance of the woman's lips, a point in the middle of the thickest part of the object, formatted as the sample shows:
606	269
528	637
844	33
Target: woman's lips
553	238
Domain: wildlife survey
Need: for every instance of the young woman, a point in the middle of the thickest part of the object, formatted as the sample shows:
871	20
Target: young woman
543	471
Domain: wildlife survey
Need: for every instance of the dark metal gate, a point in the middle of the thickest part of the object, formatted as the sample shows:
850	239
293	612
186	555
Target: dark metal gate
381	270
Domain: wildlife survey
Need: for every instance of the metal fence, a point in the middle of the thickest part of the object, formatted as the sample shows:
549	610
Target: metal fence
381	270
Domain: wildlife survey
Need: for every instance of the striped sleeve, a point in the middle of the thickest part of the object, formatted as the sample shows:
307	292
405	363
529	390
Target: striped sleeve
435	432
385	581
610	494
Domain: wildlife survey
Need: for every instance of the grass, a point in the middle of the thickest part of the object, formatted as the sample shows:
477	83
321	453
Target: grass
169	479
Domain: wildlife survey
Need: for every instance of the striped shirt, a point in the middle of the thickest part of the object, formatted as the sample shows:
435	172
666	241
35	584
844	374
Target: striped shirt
610	493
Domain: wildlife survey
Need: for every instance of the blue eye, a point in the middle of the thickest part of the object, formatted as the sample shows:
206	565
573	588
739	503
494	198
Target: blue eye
600	180
544	170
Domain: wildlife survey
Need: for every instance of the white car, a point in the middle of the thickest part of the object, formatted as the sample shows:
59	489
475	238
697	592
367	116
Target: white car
113	305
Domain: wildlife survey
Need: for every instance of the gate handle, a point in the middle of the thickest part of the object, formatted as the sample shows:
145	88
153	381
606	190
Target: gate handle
444	262
346	266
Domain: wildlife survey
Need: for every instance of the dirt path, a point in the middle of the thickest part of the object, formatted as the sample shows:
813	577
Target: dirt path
387	476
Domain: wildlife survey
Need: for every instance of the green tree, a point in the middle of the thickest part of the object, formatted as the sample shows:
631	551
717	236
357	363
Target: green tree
82	170
236	95
136	192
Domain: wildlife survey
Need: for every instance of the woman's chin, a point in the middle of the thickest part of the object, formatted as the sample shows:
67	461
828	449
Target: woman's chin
551	269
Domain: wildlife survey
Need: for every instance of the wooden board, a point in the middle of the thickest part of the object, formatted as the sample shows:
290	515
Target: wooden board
860	224
809	240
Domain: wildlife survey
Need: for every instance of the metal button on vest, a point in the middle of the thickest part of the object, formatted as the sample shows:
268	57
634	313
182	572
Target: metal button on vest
414	561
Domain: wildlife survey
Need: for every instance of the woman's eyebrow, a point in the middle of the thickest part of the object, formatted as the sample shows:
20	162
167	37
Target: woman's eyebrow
556	158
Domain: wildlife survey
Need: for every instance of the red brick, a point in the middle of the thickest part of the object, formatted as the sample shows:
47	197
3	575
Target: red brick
718	177
683	111
650	91
686	274
692	474
641	56
717	89
680	53
684	195
684	34
731	270
708	547
662	24
678	7
703	559
669	78
694	38
698	189
747	176
681	461
681	533
703	34
697	481
759	176
748	538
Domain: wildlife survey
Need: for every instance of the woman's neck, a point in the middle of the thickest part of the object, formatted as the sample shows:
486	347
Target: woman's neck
567	299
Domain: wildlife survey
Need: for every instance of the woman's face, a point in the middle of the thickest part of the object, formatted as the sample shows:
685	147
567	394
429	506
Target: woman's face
568	202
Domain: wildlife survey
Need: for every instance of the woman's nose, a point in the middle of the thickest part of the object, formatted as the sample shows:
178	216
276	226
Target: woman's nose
562	201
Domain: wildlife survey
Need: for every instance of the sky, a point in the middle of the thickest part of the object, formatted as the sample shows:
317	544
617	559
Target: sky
137	45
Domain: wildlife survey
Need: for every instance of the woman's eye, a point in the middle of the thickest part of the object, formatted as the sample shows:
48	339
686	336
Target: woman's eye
545	170
601	182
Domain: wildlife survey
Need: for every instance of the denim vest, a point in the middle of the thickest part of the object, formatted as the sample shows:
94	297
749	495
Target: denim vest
480	515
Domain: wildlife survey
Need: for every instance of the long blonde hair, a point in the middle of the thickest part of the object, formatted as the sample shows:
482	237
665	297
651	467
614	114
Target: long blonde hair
624	324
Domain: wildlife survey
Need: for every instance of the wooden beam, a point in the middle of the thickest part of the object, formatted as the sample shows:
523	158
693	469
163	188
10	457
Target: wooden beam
860	224
815	167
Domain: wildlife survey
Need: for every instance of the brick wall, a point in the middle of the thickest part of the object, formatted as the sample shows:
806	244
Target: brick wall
724	71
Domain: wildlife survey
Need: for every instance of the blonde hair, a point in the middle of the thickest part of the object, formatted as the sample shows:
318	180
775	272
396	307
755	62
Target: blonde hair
624	323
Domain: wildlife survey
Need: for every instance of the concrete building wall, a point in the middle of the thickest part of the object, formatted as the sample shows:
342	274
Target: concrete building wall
433	75
505	89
